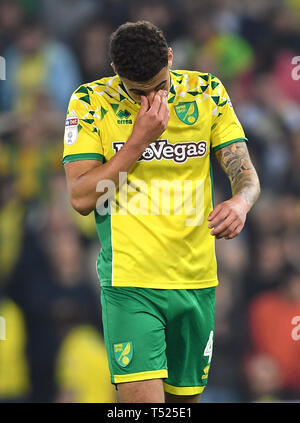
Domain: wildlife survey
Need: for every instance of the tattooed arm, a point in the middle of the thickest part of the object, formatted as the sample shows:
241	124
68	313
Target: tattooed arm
228	218
237	164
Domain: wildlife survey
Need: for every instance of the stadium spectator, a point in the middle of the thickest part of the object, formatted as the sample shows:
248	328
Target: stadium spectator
14	374
271	330
82	369
11	18
91	44
62	17
50	287
36	64
263	379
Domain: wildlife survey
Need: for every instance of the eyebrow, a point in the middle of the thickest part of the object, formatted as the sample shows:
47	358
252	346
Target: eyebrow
137	91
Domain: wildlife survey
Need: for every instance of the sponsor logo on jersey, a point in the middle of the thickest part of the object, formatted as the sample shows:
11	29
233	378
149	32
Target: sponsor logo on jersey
72	122
162	149
71	130
123	353
187	112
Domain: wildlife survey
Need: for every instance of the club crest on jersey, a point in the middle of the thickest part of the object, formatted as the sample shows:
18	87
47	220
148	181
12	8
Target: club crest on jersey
187	112
71	130
123	353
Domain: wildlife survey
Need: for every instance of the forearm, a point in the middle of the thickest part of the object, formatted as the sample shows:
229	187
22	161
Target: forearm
83	190
88	182
246	186
237	164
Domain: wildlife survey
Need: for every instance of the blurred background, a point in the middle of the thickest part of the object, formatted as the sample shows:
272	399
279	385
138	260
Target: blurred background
49	291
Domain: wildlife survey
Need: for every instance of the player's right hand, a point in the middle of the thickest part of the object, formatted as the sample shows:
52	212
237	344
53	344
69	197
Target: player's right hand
152	120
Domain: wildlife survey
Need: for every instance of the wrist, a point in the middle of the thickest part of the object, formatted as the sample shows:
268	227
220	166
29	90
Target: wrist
138	143
242	201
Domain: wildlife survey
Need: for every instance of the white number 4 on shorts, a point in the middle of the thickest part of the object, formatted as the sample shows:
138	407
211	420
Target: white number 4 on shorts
209	346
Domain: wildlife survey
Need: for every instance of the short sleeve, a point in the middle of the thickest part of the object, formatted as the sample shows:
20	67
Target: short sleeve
226	128
82	139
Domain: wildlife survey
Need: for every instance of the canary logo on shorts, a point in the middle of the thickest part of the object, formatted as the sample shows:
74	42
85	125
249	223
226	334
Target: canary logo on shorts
123	353
205	370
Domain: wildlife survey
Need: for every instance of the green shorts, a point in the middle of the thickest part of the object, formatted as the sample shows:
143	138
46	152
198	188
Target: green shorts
159	333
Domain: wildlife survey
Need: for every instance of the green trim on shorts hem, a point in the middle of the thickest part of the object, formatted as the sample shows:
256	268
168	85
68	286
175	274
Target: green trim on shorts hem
183	390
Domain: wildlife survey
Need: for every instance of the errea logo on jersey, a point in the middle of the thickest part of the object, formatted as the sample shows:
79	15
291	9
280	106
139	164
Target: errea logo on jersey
161	149
123	115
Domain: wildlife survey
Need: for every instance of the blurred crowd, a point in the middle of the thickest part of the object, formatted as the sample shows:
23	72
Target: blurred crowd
49	291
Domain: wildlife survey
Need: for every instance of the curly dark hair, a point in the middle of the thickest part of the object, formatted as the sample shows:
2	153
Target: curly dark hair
138	50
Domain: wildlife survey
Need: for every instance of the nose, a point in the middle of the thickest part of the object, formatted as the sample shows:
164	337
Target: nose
150	97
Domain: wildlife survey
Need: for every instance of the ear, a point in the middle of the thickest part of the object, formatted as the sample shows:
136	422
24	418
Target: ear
113	66
170	57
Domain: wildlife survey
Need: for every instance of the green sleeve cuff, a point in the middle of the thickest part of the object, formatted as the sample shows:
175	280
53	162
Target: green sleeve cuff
224	144
83	156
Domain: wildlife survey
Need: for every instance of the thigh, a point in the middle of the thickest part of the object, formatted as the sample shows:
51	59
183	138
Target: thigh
150	391
134	334
183	399
189	337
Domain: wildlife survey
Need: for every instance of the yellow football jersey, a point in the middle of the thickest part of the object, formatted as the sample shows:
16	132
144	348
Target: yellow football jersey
154	230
